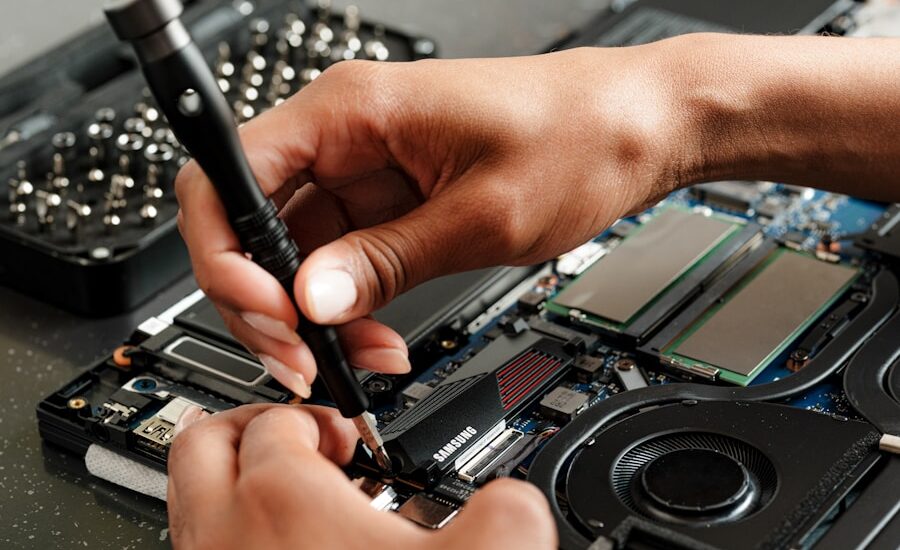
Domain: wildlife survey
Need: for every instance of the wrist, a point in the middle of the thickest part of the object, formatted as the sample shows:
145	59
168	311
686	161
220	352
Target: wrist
632	123
717	109
794	109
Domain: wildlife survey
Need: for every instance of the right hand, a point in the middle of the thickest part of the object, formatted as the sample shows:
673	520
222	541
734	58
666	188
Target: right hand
390	174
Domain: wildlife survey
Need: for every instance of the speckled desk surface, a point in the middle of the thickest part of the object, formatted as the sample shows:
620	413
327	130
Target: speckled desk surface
47	499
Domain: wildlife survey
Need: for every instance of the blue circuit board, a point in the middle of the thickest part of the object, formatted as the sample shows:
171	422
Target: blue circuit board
806	214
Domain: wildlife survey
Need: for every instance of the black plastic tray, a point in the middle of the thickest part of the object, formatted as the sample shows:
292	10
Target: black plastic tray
101	273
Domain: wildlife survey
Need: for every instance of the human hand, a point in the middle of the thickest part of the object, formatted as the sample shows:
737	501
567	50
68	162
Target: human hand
423	169
265	476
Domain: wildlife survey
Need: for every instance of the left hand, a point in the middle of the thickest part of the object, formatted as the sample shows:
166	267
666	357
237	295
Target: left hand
266	476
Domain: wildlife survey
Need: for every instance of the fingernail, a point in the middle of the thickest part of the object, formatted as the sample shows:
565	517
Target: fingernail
188	416
382	359
290	378
330	293
273	328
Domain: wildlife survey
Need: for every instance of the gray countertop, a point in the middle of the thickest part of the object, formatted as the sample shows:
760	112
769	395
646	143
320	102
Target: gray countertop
47	500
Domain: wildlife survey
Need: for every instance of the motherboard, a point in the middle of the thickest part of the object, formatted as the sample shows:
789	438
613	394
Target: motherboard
737	324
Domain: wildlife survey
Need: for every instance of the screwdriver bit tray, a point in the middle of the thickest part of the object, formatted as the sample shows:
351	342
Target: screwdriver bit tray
87	162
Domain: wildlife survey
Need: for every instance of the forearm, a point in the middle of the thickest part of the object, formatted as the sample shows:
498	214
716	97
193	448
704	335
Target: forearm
815	111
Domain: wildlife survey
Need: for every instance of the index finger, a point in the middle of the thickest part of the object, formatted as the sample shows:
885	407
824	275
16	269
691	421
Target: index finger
222	270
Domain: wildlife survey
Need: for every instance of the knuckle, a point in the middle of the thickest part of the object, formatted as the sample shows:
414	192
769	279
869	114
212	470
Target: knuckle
633	147
353	72
258	487
367	87
386	257
209	289
279	415
508	224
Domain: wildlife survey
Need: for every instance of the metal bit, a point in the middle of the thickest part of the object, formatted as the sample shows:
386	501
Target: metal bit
13	189
375	48
224	67
153	194
130	146
149	213
167	136
293	24
291	39
63	142
255	80
96	174
111	221
100	135
280	85
125	171
24	191
76	214
12	197
148	113
312	71
255	64
115	197
350	44
20	192
259	34
250	94
64	154
137	125
243	111
294	29
255	61
322	29
47	205
59	183
368	431
119	184
159	157
105	115
16	209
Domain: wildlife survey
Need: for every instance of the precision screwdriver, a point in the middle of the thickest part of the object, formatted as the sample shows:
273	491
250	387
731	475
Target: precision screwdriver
198	113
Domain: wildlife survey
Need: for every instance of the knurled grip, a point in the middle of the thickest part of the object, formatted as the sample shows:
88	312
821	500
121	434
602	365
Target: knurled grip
264	235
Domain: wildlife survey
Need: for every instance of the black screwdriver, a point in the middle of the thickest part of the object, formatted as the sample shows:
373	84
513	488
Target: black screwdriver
188	94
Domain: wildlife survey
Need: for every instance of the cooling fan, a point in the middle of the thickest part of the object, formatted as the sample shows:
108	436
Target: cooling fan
705	475
694	478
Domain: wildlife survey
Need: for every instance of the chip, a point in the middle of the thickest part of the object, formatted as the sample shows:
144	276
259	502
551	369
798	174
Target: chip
760	316
563	404
627	280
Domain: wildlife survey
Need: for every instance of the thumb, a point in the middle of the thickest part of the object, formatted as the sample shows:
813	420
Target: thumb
364	270
506	513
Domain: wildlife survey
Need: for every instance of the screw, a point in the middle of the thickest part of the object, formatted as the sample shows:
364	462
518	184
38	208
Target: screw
625	364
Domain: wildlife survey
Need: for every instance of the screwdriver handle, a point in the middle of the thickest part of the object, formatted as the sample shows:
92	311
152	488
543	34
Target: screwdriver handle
264	235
